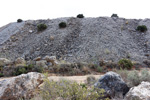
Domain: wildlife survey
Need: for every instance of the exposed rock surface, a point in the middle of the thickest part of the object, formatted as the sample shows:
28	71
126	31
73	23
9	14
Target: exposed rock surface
22	86
113	85
86	39
140	92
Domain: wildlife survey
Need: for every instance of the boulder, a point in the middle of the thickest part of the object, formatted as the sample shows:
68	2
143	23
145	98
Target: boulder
22	86
37	59
140	92
20	61
51	59
42	63
113	85
4	61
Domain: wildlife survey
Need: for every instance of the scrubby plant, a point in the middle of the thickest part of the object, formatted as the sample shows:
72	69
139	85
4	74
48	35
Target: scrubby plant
114	15
80	16
41	27
19	20
91	80
20	70
62	25
142	28
134	77
1	74
68	90
125	64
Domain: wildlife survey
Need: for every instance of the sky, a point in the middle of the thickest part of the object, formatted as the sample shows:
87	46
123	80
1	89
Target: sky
11	10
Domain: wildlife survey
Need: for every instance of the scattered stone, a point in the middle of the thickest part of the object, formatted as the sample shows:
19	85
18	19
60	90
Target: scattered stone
37	59
140	92
30	31
51	59
113	85
42	63
20	61
4	62
22	86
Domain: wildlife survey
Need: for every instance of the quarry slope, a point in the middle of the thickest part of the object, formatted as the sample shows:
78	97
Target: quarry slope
84	39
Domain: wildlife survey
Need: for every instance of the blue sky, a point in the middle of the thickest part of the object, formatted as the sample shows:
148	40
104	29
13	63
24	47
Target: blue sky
11	10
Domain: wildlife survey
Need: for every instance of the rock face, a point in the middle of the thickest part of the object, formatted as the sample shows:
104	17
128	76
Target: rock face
140	92
113	85
22	86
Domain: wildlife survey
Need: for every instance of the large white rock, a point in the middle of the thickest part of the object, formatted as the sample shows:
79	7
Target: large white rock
22	86
140	92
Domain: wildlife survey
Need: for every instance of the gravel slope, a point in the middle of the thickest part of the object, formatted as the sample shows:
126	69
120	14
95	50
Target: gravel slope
87	39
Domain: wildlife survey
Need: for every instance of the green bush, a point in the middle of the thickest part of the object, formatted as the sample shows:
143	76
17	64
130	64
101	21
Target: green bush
20	70
67	90
62	25
114	15
80	16
19	20
142	28
125	64
1	74
41	27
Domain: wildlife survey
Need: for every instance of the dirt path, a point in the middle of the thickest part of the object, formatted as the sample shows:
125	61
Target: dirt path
78	79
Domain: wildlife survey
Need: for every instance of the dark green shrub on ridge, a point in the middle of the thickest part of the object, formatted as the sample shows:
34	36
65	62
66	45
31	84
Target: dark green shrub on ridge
41	27
80	16
62	25
19	20
114	15
125	64
142	28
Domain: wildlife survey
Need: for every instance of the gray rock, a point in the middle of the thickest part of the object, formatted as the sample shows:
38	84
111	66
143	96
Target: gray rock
22	86
4	62
140	92
113	85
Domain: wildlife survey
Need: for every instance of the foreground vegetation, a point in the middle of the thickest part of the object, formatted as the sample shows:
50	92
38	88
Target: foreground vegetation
68	90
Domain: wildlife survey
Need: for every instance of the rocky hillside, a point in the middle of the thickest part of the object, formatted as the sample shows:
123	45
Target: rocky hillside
84	39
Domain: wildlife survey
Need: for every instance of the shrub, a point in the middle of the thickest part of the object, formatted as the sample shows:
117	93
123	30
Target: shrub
142	28
62	25
125	64
41	27
80	16
67	90
91	80
1	74
19	20
114	15
20	70
134	78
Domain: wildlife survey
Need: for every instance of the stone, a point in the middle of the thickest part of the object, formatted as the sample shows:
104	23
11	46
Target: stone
140	92
22	86
51	59
20	61
113	85
4	62
42	63
30	31
37	59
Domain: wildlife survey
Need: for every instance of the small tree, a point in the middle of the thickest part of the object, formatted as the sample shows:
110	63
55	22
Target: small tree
41	27
19	20
114	15
62	25
80	16
142	28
